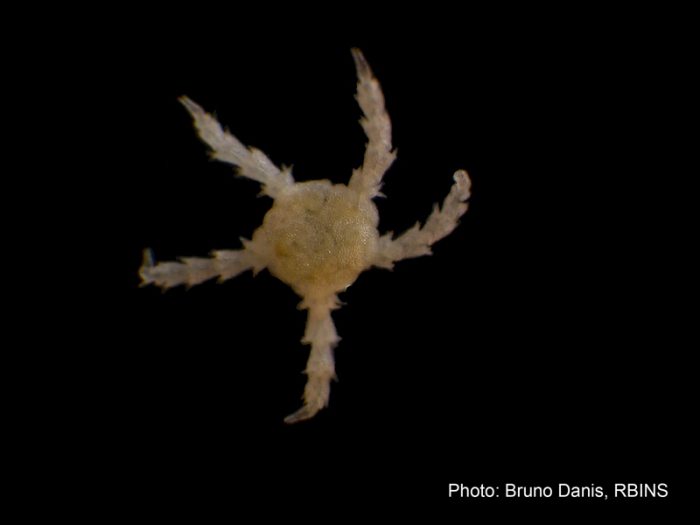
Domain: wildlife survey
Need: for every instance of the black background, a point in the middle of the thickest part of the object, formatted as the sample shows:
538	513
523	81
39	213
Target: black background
534	347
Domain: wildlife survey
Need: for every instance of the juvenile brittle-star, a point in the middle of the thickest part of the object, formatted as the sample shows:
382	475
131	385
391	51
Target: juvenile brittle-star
318	236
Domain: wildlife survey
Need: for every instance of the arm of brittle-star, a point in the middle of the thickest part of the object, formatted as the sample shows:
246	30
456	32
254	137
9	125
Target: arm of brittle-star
417	241
377	126
320	368
252	162
224	264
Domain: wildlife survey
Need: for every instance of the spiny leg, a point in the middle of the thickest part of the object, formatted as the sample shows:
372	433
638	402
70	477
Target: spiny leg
417	241
252	162
224	264
320	368
377	125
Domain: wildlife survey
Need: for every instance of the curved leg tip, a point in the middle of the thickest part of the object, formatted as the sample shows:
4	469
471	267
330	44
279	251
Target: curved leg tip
361	64
304	413
463	183
146	265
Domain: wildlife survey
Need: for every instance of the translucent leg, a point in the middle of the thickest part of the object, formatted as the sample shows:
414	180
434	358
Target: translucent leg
190	271
320	369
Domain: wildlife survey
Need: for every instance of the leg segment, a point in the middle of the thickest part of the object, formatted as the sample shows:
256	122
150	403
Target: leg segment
194	270
320	369
377	125
252	163
417	241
